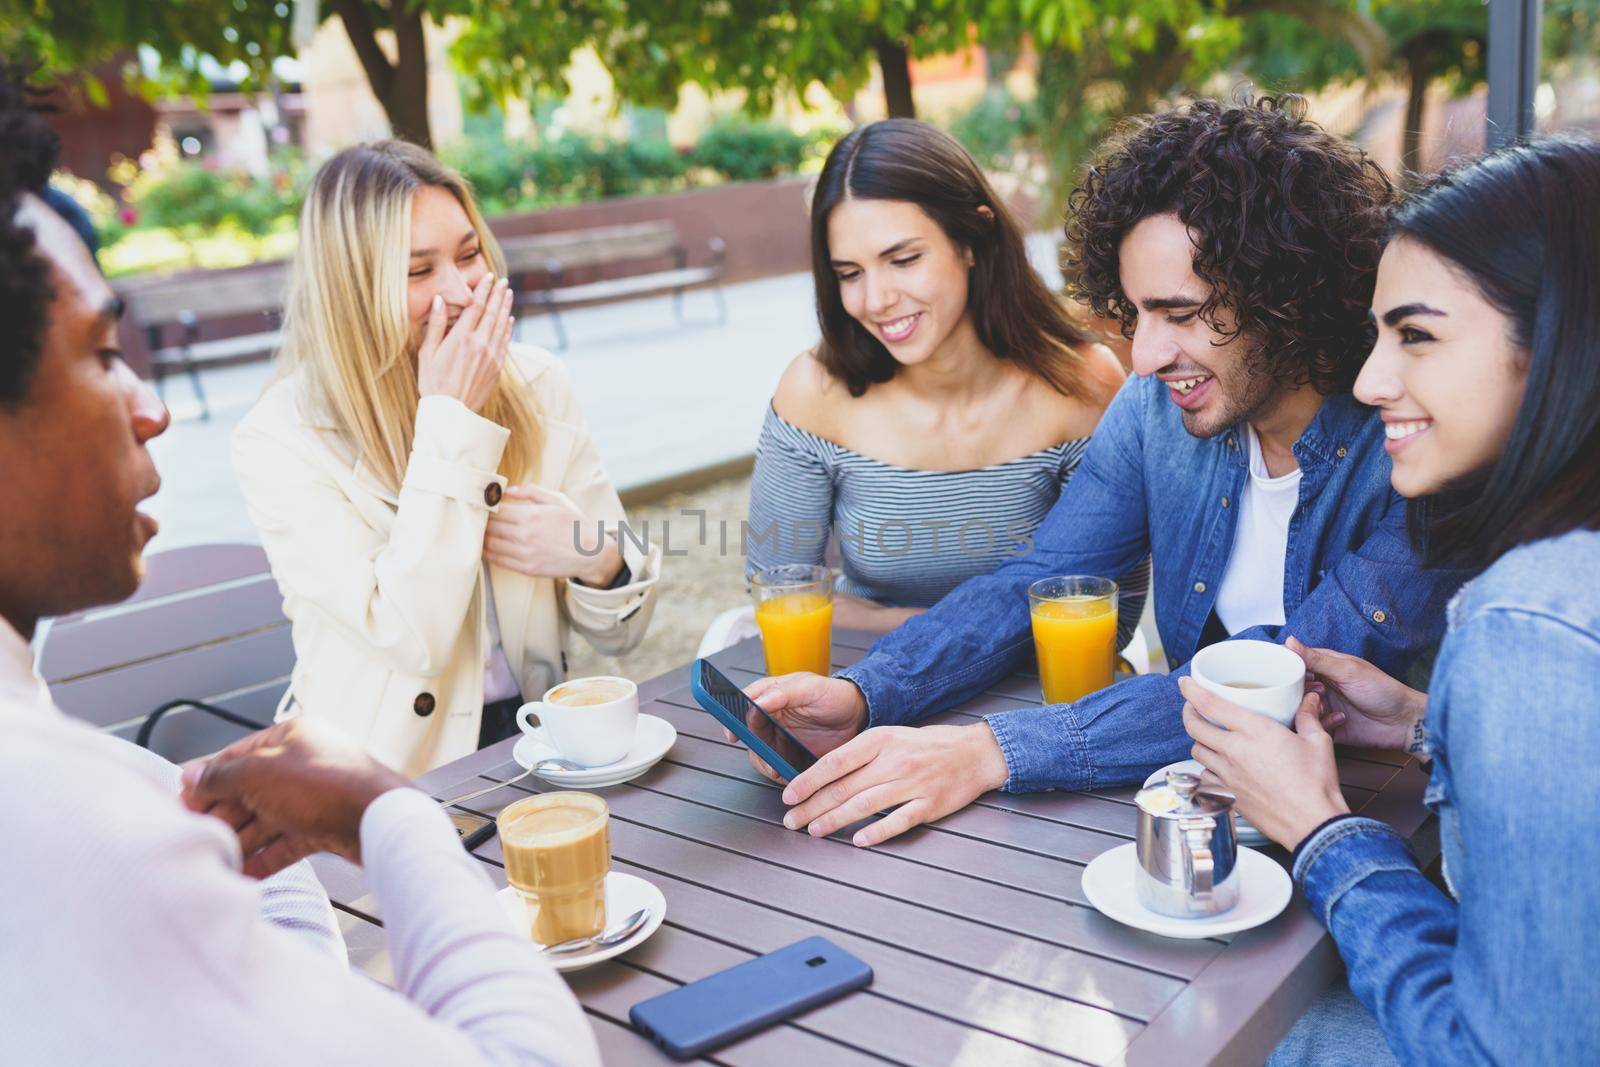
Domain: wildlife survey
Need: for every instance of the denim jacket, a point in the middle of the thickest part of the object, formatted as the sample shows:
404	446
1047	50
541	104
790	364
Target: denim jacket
1511	972
1146	486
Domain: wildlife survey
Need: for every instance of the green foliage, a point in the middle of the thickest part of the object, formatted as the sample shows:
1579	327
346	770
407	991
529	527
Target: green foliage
509	176
70	36
195	199
762	47
499	170
630	167
1438	39
512	176
747	151
187	197
998	128
1100	60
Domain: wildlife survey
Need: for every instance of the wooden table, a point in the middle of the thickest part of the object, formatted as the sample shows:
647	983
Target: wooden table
984	949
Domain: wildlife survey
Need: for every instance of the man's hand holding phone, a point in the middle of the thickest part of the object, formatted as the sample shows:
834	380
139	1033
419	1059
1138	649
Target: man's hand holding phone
822	713
916	774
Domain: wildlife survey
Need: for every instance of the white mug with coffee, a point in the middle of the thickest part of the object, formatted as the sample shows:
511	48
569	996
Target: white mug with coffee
1260	675
590	721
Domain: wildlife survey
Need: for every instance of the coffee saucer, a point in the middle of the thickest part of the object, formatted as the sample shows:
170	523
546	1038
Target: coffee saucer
1247	834
652	739
1264	891
625	894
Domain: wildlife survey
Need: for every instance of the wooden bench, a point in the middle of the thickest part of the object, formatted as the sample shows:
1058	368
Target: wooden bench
185	305
206	625
553	256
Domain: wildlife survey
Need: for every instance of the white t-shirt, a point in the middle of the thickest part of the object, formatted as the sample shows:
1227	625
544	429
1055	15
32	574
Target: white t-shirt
1251	593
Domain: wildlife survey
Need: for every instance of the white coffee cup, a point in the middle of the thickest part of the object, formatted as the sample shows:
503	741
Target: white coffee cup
1259	675
590	721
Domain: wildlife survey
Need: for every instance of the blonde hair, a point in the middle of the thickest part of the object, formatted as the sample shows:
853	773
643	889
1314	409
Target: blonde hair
346	331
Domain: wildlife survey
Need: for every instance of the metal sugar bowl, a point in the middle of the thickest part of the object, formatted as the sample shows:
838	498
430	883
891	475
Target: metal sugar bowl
1187	849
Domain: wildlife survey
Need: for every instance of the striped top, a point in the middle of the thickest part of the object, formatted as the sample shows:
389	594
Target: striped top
900	536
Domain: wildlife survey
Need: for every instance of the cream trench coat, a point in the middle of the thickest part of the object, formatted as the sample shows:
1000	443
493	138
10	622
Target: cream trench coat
385	591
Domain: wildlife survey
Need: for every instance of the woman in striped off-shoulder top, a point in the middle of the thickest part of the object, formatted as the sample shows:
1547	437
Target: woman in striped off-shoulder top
949	400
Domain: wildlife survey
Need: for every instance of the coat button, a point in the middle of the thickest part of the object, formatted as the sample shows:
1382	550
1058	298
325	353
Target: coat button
1224	501
492	493
1341	451
1199	587
1380	616
423	705
1232	441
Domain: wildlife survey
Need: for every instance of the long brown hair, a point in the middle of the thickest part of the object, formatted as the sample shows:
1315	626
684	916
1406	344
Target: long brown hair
1015	315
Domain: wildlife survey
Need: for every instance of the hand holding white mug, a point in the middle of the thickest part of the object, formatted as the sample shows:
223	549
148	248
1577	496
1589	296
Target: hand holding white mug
1362	704
1285	779
1263	676
465	361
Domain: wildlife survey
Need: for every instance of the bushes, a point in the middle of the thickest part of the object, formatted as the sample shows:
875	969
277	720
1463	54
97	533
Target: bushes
508	176
747	151
181	205
185	197
997	129
511	176
193	199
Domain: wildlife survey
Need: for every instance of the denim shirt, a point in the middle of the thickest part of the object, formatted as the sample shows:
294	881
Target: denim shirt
1511	972
1146	486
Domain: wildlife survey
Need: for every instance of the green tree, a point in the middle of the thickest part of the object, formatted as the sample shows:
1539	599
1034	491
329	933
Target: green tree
519	47
1427	41
1099	59
766	47
1128	57
70	36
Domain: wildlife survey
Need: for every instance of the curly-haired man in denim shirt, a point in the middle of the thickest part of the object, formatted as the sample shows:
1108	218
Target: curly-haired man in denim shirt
1237	245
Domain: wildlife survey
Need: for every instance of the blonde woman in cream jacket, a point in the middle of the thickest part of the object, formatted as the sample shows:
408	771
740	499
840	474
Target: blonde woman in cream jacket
427	491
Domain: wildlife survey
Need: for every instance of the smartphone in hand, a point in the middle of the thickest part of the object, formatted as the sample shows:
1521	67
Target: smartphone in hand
760	732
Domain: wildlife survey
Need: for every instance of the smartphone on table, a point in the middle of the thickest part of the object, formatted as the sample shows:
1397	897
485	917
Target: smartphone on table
698	1017
760	732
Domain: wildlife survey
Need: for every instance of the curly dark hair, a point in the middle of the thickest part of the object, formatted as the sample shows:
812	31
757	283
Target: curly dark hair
1289	222
27	156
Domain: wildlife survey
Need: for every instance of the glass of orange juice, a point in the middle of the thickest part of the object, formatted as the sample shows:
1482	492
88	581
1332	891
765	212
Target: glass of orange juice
1074	633
794	608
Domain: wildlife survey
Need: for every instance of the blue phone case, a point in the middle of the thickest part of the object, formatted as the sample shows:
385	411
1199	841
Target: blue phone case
704	1015
735	722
